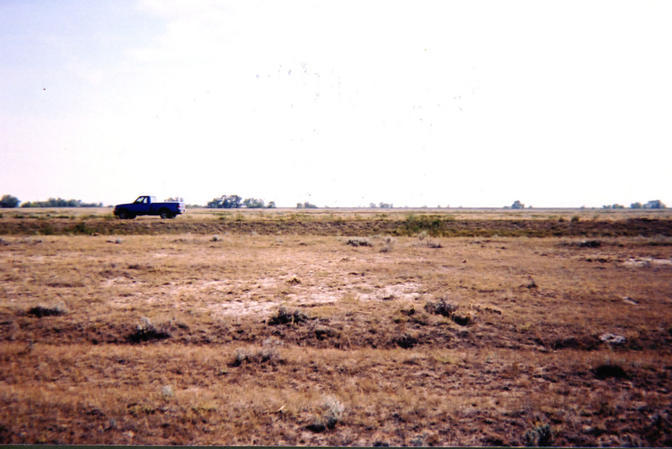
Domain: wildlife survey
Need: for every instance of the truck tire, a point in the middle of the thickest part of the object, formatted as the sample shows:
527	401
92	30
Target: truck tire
165	213
123	214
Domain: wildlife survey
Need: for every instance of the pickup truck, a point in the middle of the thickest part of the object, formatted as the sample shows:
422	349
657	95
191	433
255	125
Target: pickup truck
147	205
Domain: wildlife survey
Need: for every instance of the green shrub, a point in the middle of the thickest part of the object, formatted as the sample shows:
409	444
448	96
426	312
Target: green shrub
539	435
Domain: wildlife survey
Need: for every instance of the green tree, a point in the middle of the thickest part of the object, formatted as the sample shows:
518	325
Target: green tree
254	203
8	201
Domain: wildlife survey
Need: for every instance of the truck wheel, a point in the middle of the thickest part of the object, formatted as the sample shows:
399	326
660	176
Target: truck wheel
123	215
165	213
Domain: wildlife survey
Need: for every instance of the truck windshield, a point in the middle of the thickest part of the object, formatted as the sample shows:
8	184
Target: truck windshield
141	200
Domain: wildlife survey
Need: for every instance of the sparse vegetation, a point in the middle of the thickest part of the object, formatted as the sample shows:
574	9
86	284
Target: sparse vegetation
60	202
247	337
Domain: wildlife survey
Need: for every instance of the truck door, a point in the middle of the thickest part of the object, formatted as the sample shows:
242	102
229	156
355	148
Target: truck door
139	205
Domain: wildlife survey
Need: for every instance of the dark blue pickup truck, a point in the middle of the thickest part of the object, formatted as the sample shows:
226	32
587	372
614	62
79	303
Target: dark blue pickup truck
147	205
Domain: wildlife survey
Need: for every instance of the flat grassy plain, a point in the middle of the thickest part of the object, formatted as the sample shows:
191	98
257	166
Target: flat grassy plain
431	327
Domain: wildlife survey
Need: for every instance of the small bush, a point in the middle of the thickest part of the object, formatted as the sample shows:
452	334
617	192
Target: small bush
284	316
332	413
322	333
358	242
388	244
440	307
423	224
40	311
540	435
294	281
167	392
268	353
82	229
462	319
146	331
405	341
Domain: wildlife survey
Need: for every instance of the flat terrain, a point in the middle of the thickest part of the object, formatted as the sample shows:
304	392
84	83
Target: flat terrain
337	327
348	222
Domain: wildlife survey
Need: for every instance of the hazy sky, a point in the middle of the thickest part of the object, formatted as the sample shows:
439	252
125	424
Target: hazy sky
341	103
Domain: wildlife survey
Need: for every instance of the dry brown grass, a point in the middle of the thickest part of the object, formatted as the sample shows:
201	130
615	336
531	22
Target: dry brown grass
366	362
349	222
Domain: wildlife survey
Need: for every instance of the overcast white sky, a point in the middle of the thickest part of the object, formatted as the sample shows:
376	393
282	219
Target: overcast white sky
341	103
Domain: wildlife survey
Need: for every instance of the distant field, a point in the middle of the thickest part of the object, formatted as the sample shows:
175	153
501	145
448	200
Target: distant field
400	222
317	327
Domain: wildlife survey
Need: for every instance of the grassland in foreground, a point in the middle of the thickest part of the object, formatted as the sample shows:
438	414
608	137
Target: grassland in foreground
240	338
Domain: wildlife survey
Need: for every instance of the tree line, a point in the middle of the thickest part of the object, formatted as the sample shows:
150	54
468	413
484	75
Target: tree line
9	201
236	202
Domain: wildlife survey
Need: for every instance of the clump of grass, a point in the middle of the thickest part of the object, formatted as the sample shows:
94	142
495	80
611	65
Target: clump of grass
440	307
167	392
294	281
425	240
531	284
82	229
388	243
285	316
269	353
590	244
146	331
406	341
539	435
40	310
323	332
332	414
443	308
358	242
463	319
